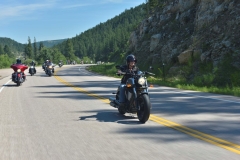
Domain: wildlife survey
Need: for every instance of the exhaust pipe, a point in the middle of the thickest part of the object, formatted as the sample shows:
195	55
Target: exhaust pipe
113	102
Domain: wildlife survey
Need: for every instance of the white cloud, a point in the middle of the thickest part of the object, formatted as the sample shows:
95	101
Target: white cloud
9	11
115	1
112	1
76	5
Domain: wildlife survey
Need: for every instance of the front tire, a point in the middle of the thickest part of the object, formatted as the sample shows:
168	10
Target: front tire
121	109
144	104
50	74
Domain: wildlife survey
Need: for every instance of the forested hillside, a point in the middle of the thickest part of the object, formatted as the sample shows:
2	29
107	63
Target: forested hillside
50	43
12	44
106	41
9	49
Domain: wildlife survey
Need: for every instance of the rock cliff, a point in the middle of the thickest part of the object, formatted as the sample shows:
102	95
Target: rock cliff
179	30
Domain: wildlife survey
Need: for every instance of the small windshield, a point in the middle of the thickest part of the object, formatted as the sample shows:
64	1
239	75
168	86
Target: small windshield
139	73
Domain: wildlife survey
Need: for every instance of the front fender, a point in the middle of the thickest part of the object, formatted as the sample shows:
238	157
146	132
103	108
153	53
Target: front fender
145	91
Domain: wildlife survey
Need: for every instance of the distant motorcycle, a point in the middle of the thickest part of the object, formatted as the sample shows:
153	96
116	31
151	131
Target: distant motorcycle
18	76
136	94
60	64
32	70
49	70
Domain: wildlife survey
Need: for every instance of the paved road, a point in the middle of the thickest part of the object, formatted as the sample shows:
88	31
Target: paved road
62	117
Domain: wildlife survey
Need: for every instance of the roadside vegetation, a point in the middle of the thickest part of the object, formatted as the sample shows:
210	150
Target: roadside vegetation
110	70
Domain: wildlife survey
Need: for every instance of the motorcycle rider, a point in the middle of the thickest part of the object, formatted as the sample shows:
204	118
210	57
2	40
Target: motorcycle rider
128	68
33	64
45	64
18	62
49	63
60	63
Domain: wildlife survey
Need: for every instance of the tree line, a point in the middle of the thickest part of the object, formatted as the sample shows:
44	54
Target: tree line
106	41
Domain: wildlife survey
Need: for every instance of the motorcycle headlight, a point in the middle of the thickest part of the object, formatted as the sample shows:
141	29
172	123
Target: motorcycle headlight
49	66
18	70
31	66
141	81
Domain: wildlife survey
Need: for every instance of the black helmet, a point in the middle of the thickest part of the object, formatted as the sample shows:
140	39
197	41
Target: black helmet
18	61
131	58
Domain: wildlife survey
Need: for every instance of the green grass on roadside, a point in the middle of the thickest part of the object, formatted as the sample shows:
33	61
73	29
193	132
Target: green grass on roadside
110	70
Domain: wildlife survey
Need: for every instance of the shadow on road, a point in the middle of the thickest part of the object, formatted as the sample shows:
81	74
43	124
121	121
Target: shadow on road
11	85
111	116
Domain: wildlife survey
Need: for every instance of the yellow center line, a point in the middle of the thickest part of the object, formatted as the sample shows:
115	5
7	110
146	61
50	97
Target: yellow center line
200	135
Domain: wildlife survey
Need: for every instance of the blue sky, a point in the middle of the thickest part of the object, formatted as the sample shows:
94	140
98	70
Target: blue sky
56	19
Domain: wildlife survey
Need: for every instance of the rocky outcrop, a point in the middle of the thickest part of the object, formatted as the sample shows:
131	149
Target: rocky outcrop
185	56
204	29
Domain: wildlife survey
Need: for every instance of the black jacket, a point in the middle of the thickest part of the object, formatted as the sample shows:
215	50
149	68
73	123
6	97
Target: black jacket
125	68
32	64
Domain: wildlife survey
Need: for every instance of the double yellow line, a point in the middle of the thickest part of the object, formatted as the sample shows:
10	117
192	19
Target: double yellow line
200	135
81	90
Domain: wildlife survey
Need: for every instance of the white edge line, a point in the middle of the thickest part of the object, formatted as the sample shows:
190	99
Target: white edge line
4	85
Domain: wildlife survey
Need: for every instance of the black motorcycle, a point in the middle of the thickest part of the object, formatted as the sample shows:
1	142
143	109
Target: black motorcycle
60	64
32	70
136	95
49	70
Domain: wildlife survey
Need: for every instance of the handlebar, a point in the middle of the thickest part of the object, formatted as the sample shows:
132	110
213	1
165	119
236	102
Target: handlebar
150	73
145	72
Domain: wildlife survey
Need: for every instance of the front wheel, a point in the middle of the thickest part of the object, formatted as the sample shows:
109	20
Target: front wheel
121	109
144	112
50	73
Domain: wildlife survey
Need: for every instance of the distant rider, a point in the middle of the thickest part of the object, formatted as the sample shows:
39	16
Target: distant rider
49	63
45	65
33	64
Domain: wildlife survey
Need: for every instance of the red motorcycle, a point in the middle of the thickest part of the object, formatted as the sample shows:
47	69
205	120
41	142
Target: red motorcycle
18	76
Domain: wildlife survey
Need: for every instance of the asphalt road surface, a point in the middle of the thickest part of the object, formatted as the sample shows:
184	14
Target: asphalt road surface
68	117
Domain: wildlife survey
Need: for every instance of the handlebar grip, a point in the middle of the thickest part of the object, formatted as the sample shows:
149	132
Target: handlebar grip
150	73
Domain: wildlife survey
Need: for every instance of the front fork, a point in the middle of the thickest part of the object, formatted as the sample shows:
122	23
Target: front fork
145	91
136	98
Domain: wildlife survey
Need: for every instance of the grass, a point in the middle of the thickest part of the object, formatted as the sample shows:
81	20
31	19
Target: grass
110	70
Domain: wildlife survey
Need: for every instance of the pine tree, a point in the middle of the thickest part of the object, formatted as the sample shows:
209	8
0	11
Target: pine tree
152	4
69	50
35	48
28	49
40	46
8	51
1	50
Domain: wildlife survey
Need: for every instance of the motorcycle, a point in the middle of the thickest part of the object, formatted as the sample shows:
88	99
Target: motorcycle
60	64
32	70
49	70
18	76
137	97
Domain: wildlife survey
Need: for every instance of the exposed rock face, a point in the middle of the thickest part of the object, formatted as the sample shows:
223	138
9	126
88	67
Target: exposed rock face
154	41
204	29
185	56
